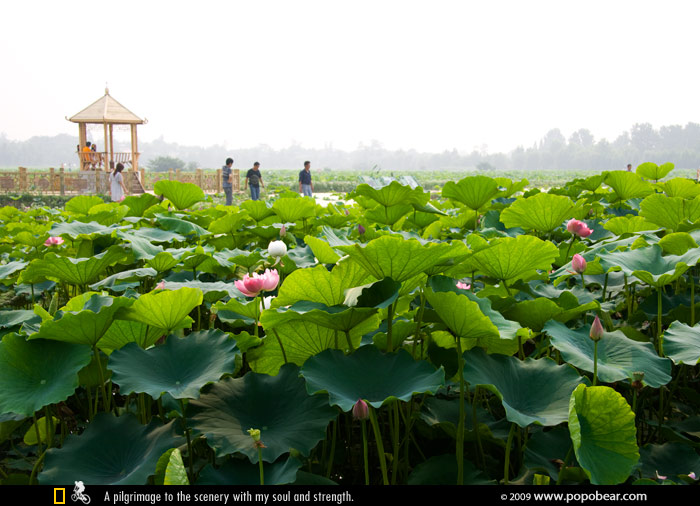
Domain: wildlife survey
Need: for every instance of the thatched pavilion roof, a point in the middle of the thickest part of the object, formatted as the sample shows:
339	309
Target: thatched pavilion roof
106	110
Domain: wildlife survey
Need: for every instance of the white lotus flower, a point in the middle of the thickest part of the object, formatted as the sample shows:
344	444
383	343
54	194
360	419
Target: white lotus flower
277	249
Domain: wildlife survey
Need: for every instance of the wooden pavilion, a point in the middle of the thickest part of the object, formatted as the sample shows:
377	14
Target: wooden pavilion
108	112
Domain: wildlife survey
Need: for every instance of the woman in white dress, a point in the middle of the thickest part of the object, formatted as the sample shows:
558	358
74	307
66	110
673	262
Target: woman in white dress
116	184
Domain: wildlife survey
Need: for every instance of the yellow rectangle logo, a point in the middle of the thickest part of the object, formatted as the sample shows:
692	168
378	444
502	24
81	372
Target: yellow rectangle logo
59	495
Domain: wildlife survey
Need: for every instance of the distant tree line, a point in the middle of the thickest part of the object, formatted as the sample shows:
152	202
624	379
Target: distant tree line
675	143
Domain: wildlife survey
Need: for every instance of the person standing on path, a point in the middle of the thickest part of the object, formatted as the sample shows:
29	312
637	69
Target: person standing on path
254	179
227	180
116	184
306	187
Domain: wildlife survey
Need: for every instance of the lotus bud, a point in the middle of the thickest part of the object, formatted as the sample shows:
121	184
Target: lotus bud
255	434
161	285
53	305
691	475
578	228
637	378
277	249
597	329
361	230
578	263
283	231
659	477
360	411
463	286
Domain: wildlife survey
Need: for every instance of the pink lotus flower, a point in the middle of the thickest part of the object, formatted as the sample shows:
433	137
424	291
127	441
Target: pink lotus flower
597	329
659	477
463	286
360	411
578	228
161	285
691	475
578	263
53	241
251	286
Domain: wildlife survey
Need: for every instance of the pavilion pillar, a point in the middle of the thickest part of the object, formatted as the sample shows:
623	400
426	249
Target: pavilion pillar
82	139
111	144
106	147
134	148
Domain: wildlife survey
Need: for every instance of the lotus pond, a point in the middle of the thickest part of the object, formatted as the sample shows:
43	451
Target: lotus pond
486	334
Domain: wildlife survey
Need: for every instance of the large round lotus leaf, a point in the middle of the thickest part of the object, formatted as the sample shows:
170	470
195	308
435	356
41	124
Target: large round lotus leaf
532	391
179	226
211	292
370	375
513	258
627	185
111	451
301	340
182	195
179	367
601	424
670	459
106	213
142	248
86	326
317	284
242	472
229	223
461	315
36	373
677	243
165	308
444	413
112	282
278	406
322	250
75	271
138	204
650	170
681	343
628	225
163	262
338	317
681	187
474	192
83	203
670	212
618	356
122	332
542	212
396	258
442	470
293	210
648	265
16	317
257	209
387	215
78	230
10	268
393	195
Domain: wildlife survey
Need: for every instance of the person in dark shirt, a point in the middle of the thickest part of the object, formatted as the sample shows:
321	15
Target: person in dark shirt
306	187
254	179
227	180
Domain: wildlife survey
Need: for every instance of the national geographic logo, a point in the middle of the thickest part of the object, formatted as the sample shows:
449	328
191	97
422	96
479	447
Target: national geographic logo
59	495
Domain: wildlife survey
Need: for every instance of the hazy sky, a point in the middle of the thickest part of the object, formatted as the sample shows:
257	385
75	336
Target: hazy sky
424	75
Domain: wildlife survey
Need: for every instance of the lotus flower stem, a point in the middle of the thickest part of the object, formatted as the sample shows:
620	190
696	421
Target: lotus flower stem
506	465
573	239
49	425
595	363
460	425
692	296
189	442
38	435
284	355
475	426
659	324
260	465
605	286
380	444
105	399
419	320
583	282
35	469
334	435
396	433
364	450
389	325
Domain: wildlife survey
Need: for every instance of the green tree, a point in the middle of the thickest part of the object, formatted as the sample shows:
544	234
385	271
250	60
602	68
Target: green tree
165	163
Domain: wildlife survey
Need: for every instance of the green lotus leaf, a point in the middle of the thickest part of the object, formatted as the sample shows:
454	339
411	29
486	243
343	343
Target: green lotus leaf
627	185
387	215
648	265
393	194
533	314
442	470
670	212
86	326
650	170
10	268
181	226
29	239
111	451
618	356
543	212
163	262
278	406
444	413
370	375
602	428
317	284
30	435
34	374
212	292
681	344
17	317
544	449
257	209
175	472
322	250
301	340
106	214
164	308
180	367
293	210
669	459
79	230
461	315
139	204
474	191
512	258
238	310
681	187
75	271
677	243
229	223
155	235
83	203
510	187
242	472
122	332
182	195
628	225
95	373
396	258
380	294
142	248
125	276
532	391
341	318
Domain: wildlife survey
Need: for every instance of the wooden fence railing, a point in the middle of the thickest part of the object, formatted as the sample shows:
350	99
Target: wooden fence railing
59	181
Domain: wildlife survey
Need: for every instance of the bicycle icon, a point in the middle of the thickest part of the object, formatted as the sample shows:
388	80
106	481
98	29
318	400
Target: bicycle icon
78	494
